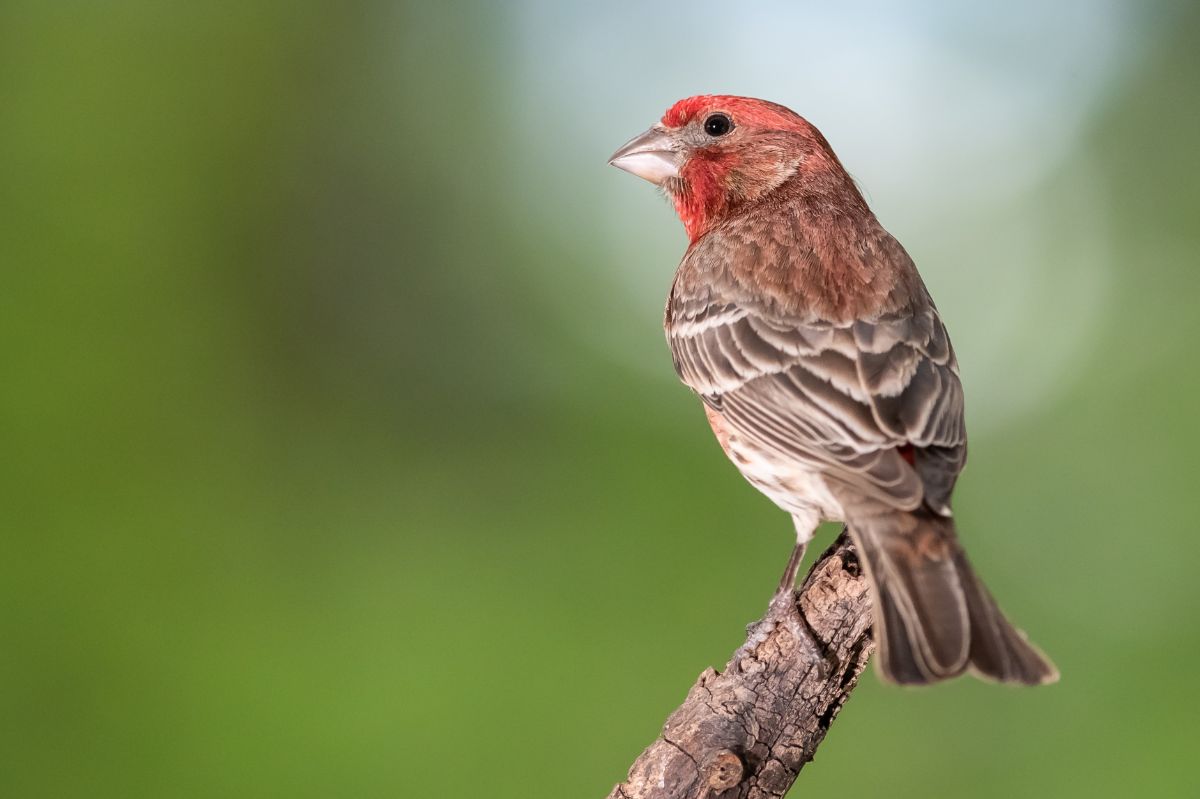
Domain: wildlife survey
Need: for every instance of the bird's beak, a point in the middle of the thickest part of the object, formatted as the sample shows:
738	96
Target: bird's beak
652	156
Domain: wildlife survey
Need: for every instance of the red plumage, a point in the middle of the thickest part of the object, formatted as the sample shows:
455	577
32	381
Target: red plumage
826	371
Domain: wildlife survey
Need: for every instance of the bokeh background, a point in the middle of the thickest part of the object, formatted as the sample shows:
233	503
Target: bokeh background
342	451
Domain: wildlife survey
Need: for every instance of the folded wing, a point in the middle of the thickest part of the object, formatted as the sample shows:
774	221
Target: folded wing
847	399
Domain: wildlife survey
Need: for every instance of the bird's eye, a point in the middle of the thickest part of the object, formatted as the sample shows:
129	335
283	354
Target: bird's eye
718	125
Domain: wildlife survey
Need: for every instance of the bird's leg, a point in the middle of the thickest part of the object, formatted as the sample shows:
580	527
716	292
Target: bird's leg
783	603
785	595
787	583
784	609
785	606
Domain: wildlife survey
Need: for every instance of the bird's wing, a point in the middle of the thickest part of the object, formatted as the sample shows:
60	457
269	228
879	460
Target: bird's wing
841	398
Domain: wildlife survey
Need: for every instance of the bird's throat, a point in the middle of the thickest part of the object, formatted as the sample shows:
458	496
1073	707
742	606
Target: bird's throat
702	195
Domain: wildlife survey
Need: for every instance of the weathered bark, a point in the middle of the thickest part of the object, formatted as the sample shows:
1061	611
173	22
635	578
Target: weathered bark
747	732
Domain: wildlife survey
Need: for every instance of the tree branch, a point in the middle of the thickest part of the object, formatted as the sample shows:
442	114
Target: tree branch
747	732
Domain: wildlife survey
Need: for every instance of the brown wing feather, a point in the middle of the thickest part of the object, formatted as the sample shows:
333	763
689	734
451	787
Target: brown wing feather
837	396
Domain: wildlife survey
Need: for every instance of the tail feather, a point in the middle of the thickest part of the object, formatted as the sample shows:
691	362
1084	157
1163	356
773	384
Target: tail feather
934	618
1000	651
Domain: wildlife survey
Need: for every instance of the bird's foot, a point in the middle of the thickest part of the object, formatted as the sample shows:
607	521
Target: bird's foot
784	611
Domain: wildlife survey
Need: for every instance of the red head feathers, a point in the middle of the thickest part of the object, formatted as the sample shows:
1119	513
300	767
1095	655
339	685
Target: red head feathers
716	154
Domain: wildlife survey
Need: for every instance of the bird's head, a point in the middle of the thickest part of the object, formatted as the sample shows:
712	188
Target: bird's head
714	155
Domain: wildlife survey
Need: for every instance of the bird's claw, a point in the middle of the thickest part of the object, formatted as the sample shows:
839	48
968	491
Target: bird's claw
784	610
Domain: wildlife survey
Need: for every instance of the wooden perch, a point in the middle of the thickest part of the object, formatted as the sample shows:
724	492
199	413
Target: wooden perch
747	732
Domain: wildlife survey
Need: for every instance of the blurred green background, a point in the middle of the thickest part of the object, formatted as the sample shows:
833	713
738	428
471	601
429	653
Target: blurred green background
344	457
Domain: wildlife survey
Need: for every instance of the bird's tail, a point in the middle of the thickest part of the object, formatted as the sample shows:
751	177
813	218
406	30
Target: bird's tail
934	619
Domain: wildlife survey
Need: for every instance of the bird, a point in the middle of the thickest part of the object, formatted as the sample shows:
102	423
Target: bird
826	373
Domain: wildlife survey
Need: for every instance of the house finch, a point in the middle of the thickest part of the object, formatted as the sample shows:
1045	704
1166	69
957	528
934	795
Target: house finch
826	373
